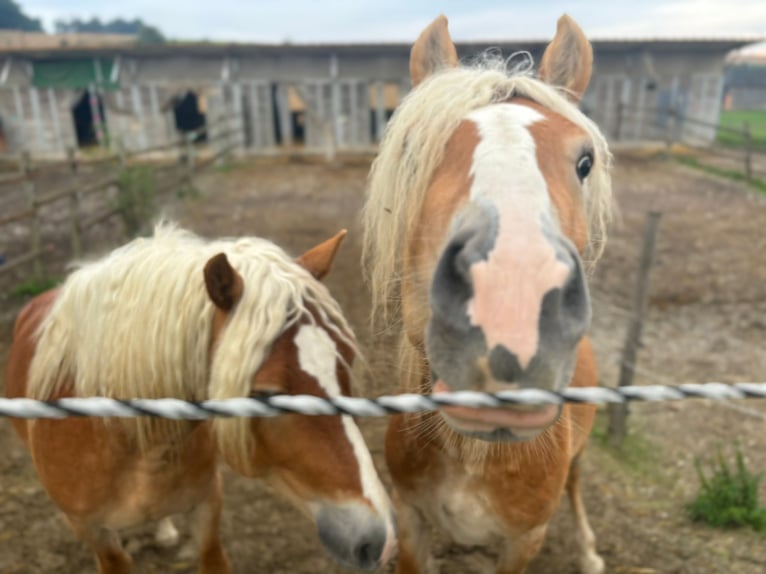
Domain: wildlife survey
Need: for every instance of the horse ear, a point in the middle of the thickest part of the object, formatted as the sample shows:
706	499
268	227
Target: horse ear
432	50
568	59
224	284
318	260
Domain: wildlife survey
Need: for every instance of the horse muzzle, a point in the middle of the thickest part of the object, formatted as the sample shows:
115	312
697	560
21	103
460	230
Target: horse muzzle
355	535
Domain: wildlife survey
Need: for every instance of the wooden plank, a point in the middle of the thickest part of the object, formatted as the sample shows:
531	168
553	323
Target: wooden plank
99	217
34	101
20	260
285	117
75	229
59	138
17	103
19	216
255	117
380	110
30	191
138	111
337	110
156	116
353	113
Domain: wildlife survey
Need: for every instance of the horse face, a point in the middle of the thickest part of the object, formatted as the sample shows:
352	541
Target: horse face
319	463
498	255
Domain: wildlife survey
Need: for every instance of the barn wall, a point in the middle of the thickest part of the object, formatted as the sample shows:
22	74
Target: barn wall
342	99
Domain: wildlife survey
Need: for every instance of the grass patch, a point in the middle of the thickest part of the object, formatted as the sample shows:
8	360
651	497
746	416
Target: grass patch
728	497
34	286
637	453
732	174
735	120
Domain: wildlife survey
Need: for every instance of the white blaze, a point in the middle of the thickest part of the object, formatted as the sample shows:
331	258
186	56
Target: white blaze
522	266
317	356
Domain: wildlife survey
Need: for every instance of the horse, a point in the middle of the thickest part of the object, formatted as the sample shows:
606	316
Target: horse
486	207
175	315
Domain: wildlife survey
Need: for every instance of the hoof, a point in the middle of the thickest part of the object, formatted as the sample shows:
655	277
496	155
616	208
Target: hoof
166	536
592	563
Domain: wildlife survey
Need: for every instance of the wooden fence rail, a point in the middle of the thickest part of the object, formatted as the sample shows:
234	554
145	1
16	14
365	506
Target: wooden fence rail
673	128
75	191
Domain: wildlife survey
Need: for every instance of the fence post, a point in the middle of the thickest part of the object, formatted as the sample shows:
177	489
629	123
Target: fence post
74	205
748	151
618	412
189	159
122	154
670	128
30	191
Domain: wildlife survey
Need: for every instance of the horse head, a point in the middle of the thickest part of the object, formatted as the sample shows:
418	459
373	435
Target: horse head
506	186
319	463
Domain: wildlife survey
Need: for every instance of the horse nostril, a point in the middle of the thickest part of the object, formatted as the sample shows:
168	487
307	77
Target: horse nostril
575	301
368	551
363	554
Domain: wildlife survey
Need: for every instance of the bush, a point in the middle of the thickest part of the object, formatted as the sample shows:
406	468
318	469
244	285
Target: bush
728	498
136	199
34	286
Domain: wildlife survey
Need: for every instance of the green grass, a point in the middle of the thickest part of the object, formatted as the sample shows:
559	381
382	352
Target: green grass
728	497
733	174
136	197
735	119
34	286
638	453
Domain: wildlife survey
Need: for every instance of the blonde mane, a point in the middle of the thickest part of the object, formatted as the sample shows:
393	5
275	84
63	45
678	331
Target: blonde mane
138	324
413	148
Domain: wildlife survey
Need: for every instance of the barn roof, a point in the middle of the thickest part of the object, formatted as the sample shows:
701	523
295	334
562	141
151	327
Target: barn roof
210	49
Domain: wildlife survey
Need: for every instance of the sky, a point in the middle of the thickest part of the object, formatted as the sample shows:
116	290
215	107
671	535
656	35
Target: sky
302	21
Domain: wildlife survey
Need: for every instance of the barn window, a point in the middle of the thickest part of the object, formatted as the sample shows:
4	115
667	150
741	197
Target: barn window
89	126
189	116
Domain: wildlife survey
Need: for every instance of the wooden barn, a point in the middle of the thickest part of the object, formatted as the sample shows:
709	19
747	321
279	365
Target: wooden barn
278	97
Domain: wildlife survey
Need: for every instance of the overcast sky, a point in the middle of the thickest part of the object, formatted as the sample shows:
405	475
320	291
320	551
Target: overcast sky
401	20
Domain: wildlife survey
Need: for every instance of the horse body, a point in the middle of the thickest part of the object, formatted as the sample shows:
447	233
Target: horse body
262	324
488	190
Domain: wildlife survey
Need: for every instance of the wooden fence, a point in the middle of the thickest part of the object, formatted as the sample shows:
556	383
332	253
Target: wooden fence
27	199
676	128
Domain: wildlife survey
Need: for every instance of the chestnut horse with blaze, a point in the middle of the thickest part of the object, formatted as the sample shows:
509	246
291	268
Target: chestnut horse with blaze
176	316
490	189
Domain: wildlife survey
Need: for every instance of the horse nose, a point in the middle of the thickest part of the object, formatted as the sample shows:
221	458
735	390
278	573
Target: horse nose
368	551
353	534
471	240
566	311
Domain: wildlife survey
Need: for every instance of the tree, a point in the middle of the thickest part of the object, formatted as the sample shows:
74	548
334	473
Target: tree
144	33
12	18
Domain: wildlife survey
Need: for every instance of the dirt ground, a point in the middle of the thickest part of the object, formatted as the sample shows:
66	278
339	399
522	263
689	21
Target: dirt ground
706	322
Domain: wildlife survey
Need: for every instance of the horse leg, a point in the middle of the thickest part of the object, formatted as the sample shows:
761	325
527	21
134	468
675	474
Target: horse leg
206	522
520	550
111	557
590	562
166	535
414	539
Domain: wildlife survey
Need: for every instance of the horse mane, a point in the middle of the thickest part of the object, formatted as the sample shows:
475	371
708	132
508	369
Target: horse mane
413	147
138	324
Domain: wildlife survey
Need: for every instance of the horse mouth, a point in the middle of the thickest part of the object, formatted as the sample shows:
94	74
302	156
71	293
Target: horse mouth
523	421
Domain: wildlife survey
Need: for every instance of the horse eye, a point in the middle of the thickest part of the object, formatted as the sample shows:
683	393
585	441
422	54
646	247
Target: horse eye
584	165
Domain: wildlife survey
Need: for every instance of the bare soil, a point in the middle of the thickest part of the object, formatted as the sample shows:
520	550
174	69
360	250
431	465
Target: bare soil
706	322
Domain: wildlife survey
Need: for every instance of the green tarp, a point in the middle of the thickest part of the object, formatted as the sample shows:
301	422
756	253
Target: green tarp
74	74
